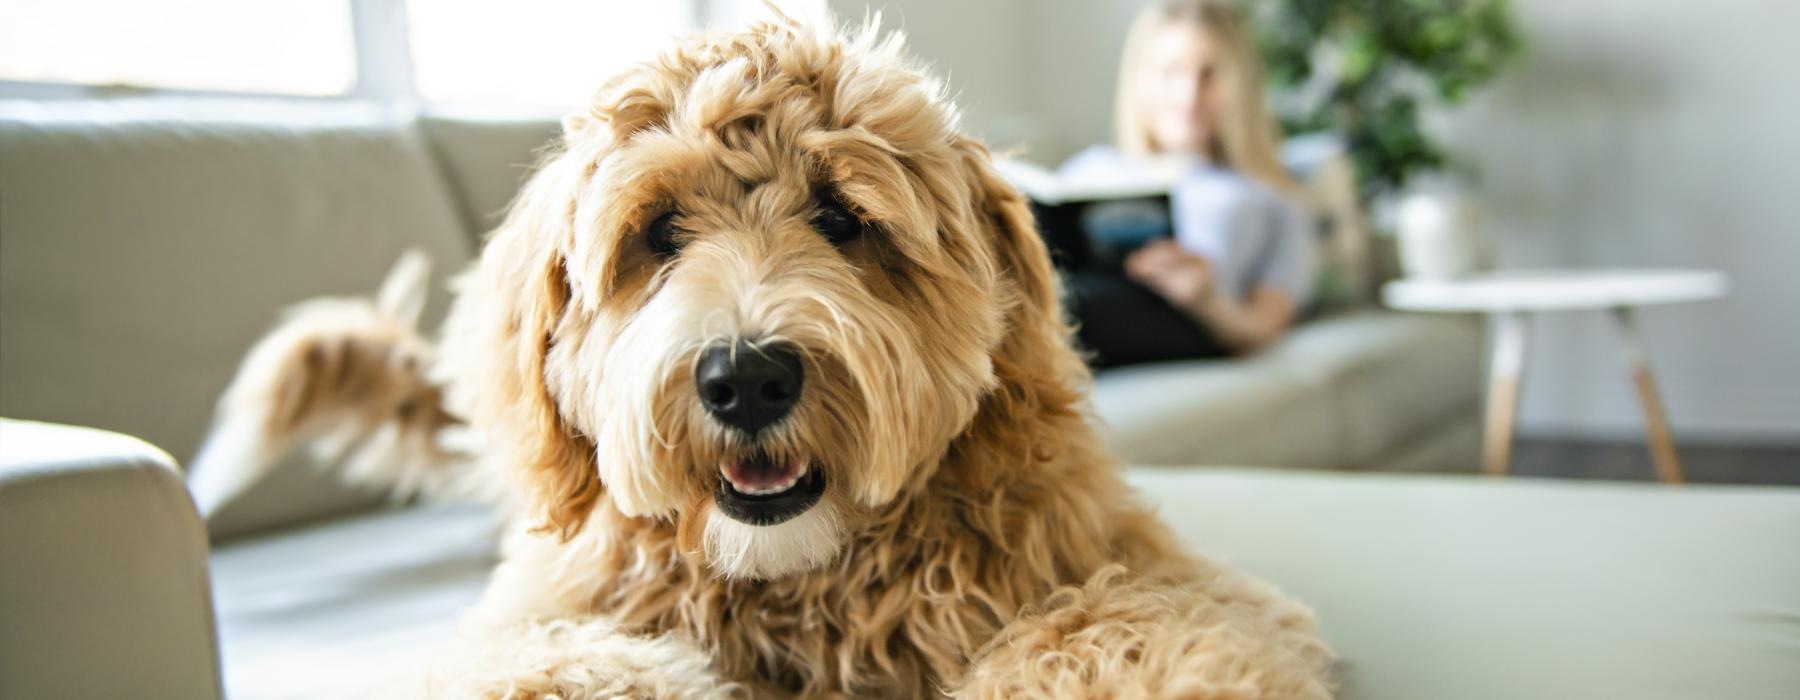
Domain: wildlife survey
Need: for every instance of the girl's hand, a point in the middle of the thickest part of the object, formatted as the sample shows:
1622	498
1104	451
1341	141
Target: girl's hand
1183	278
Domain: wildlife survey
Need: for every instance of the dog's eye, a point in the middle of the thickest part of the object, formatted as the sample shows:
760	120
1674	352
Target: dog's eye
836	222
660	235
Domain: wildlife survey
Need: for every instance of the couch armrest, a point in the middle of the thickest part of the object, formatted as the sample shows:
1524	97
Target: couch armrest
103	586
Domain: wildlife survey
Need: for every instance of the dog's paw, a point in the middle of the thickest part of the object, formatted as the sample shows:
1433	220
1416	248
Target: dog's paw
569	660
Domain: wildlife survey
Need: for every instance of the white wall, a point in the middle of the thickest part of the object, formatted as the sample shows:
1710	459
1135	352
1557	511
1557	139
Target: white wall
979	47
1031	74
1630	133
1654	132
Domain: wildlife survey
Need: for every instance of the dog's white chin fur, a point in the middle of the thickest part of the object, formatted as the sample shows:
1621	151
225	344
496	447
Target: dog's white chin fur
759	552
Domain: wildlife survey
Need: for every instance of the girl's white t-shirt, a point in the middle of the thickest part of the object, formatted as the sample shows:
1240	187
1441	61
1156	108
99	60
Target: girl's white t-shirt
1250	233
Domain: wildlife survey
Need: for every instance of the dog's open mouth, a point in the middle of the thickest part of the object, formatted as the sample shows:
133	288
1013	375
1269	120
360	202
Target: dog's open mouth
758	490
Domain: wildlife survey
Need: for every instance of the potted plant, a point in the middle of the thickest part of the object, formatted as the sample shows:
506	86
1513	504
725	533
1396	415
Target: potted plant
1364	70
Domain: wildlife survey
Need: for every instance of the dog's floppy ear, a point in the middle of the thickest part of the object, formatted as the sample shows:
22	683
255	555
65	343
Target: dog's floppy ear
1037	367
516	300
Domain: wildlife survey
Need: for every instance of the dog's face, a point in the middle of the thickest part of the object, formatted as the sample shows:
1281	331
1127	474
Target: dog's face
760	292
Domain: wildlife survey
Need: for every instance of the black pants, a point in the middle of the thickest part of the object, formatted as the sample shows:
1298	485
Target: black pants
1122	322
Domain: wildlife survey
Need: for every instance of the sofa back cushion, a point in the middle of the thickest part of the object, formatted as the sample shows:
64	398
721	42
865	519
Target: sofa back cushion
144	245
486	159
1435	587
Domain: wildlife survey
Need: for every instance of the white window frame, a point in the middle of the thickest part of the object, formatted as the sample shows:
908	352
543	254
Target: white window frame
384	68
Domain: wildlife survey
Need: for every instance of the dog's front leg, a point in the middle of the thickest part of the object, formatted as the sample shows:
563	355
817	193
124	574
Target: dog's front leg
1122	637
572	660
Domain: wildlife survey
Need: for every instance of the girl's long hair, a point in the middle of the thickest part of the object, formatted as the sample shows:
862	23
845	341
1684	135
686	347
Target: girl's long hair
1245	139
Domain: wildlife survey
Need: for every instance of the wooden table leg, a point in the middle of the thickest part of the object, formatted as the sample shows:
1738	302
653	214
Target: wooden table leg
1656	421
1504	369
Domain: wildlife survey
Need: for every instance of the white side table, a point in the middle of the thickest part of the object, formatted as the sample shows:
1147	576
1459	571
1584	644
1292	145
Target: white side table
1511	297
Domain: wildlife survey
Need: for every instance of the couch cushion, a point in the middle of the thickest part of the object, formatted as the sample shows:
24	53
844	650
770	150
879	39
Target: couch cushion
1387	375
1333	394
148	243
1429	586
1459	587
1446	445
486	158
361	597
1251	411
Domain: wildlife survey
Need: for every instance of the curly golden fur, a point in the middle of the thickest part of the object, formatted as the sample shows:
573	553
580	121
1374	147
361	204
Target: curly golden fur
974	539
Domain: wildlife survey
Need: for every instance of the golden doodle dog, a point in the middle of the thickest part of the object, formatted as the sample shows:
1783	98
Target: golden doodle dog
776	365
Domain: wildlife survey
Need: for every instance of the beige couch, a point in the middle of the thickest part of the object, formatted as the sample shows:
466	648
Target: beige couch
1430	587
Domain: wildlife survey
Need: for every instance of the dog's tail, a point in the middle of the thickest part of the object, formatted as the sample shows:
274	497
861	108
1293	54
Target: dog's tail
349	379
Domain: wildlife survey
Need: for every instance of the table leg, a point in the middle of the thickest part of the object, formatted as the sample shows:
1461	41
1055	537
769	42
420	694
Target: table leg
1656	421
1504	369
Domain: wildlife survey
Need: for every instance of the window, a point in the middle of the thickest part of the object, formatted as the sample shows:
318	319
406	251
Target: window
532	52
273	46
535	53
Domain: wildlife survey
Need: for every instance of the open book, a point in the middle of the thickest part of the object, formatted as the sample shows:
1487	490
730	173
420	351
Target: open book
1093	225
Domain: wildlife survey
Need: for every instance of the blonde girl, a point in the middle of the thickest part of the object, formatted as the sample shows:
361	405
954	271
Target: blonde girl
1241	263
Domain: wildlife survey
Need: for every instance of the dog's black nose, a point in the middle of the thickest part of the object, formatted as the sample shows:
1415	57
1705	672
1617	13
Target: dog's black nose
748	387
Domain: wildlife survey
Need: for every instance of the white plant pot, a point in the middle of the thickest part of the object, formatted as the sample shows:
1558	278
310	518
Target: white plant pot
1439	236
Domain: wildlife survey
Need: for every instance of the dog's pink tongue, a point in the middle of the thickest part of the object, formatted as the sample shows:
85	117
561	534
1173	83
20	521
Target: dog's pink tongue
760	473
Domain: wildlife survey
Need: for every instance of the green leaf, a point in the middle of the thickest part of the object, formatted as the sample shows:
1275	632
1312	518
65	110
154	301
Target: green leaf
1456	46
